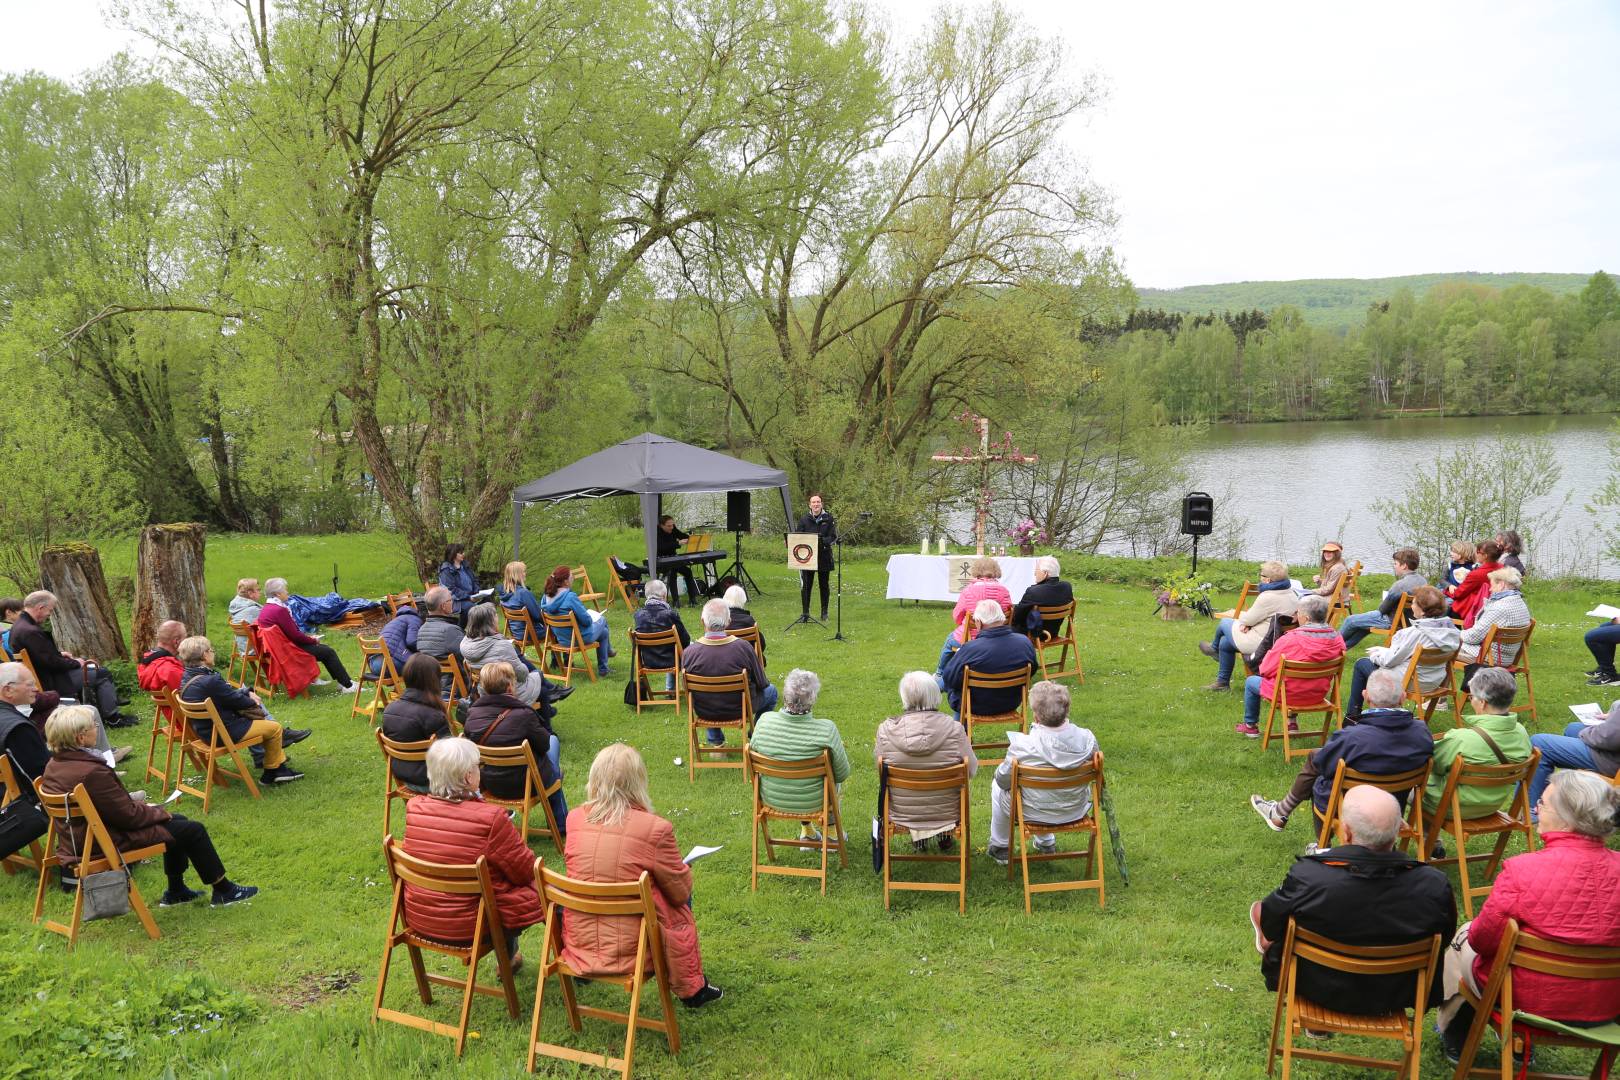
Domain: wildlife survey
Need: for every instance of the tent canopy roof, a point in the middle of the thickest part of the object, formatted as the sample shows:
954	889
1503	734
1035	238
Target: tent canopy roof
648	464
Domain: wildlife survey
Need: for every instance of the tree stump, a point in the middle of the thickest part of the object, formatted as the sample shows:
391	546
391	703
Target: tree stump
85	622
169	581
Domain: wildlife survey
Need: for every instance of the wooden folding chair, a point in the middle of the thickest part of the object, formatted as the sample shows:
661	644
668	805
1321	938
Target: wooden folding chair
535	790
619	900
1033	778
1338	600
583	589
750	634
32	857
1061	637
393	786
97	854
1410	783
1294	1015
620	588
1423	701
1447	818
1521	1030
1245	594
170	730
944	778
371	647
828	821
488	937
1328	706
21	657
525	636
243	657
256	662
577	645
1397	621
1018	718
1496	639
641	674
1352	588
395	601
699	755
210	753
453	687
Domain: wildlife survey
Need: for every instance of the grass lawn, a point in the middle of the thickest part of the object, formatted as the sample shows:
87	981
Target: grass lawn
1163	982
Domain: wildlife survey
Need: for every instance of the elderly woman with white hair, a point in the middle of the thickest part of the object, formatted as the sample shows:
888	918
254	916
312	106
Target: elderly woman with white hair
276	613
741	618
1565	892
1052	743
1049	590
922	737
793	733
451	824
995	650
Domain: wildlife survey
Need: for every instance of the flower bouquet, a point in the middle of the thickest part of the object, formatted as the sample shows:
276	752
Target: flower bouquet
1026	534
1182	595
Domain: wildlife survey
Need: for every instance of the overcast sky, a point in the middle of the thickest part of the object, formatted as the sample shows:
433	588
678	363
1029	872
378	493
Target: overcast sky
1254	140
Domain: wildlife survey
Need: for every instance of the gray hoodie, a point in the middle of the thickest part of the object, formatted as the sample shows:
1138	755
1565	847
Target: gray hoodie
1436	633
1065	747
243	610
499	648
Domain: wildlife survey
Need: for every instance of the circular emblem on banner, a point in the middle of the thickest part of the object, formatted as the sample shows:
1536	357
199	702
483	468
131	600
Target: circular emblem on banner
802	552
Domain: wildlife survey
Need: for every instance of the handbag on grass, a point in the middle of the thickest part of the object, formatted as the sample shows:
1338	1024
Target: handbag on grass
880	843
106	895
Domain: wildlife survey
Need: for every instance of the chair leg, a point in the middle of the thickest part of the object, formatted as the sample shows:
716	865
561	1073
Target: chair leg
1462	870
753	855
382	978
634	1008
424	989
137	902
467	991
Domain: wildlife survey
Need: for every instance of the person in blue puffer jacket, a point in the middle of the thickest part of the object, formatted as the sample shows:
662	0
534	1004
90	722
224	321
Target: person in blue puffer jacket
593	627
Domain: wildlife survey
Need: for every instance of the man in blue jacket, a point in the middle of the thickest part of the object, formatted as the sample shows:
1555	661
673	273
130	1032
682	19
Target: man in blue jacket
995	650
1386	740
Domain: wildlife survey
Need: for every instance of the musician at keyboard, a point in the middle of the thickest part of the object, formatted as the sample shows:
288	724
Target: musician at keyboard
670	540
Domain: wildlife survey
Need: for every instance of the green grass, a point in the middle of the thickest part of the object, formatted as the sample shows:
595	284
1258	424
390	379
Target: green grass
1163	982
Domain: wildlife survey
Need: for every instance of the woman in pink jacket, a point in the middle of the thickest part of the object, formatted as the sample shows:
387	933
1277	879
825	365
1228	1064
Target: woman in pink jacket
615	836
1569	891
986	585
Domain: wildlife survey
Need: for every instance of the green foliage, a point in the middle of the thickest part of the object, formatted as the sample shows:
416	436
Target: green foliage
1462	496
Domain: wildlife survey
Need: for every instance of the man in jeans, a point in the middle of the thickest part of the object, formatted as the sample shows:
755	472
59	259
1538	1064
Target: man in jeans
1387	740
1356	627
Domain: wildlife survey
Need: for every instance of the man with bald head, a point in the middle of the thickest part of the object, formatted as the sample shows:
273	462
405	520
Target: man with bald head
1359	892
159	668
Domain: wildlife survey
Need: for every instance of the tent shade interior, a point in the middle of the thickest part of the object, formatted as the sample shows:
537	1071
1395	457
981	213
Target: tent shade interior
647	466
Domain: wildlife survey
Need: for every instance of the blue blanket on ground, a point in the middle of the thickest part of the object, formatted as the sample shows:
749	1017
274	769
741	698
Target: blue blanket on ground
312	611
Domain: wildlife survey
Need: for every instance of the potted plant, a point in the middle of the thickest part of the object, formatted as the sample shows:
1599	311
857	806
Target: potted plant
1181	595
1026	534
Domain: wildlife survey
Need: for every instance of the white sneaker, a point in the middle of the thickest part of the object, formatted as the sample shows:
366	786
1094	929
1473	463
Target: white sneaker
321	682
351	688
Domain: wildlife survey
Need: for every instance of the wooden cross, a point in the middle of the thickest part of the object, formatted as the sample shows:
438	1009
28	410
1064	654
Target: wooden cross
1005	452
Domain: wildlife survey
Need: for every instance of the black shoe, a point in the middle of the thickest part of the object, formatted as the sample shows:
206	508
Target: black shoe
118	720
281	774
946	843
122	701
551	697
823	614
1451	1041
291	735
173	897
710	992
1604	678
233	894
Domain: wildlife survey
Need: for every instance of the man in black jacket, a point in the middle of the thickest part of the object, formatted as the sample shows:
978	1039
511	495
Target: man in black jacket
20	739
1049	590
62	671
822	524
670	540
1362	892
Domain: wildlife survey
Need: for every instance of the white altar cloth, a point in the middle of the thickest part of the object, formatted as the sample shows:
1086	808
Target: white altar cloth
924	577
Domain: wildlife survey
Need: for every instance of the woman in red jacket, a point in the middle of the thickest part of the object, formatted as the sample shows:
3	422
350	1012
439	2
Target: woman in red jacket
452	825
1569	891
614	837
1469	596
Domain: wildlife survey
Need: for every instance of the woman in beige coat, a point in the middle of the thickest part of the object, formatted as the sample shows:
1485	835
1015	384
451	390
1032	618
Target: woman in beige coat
922	737
1244	633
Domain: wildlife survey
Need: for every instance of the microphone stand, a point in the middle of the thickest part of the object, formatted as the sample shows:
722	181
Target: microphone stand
861	519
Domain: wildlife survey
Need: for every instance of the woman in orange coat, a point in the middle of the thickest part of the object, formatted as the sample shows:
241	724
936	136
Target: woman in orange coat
452	825
615	836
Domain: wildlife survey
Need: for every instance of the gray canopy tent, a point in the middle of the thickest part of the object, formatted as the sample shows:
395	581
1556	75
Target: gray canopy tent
648	465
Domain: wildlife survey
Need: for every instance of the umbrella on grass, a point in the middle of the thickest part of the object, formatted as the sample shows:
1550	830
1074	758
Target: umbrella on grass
1113	834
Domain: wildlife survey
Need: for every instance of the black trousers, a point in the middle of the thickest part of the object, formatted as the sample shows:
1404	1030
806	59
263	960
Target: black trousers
328	656
692	595
191	846
805	578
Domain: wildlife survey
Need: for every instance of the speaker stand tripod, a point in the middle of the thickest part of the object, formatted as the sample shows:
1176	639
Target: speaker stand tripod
738	570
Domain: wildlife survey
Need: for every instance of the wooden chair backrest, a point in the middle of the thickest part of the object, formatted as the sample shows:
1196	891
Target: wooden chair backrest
520	756
1528	952
1411	783
529	637
736	682
1018	677
1403	613
656	639
1352	591
10	787
1054	617
242	630
941	778
1047	778
453	879
804	769
582	582
1420	957
1421	658
395	601
633	899
1465	773
451	667
565	621
618	584
1289	669
195	711
369	647
1243	598
97	852
402	751
1499	636
749	634
21	657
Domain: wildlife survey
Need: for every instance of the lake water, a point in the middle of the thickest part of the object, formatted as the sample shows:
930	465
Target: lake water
1298	484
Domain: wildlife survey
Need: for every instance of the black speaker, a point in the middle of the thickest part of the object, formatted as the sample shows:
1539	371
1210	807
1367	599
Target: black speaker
1197	514
738	513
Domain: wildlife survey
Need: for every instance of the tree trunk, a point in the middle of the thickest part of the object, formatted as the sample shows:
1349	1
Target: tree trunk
169	581
85	622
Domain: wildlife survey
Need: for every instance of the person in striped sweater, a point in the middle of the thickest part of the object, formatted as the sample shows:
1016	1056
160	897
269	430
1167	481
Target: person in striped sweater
1504	607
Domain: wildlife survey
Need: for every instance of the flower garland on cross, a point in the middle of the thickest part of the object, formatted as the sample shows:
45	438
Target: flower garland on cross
1002	452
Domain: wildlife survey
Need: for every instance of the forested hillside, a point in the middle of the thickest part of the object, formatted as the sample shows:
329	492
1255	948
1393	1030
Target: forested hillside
1334	303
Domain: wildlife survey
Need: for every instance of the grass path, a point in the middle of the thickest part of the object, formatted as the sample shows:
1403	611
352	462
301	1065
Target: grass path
1164	982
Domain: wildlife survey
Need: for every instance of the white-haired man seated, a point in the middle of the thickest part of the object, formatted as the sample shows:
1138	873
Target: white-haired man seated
718	653
1052	743
1049	590
1360	892
995	650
